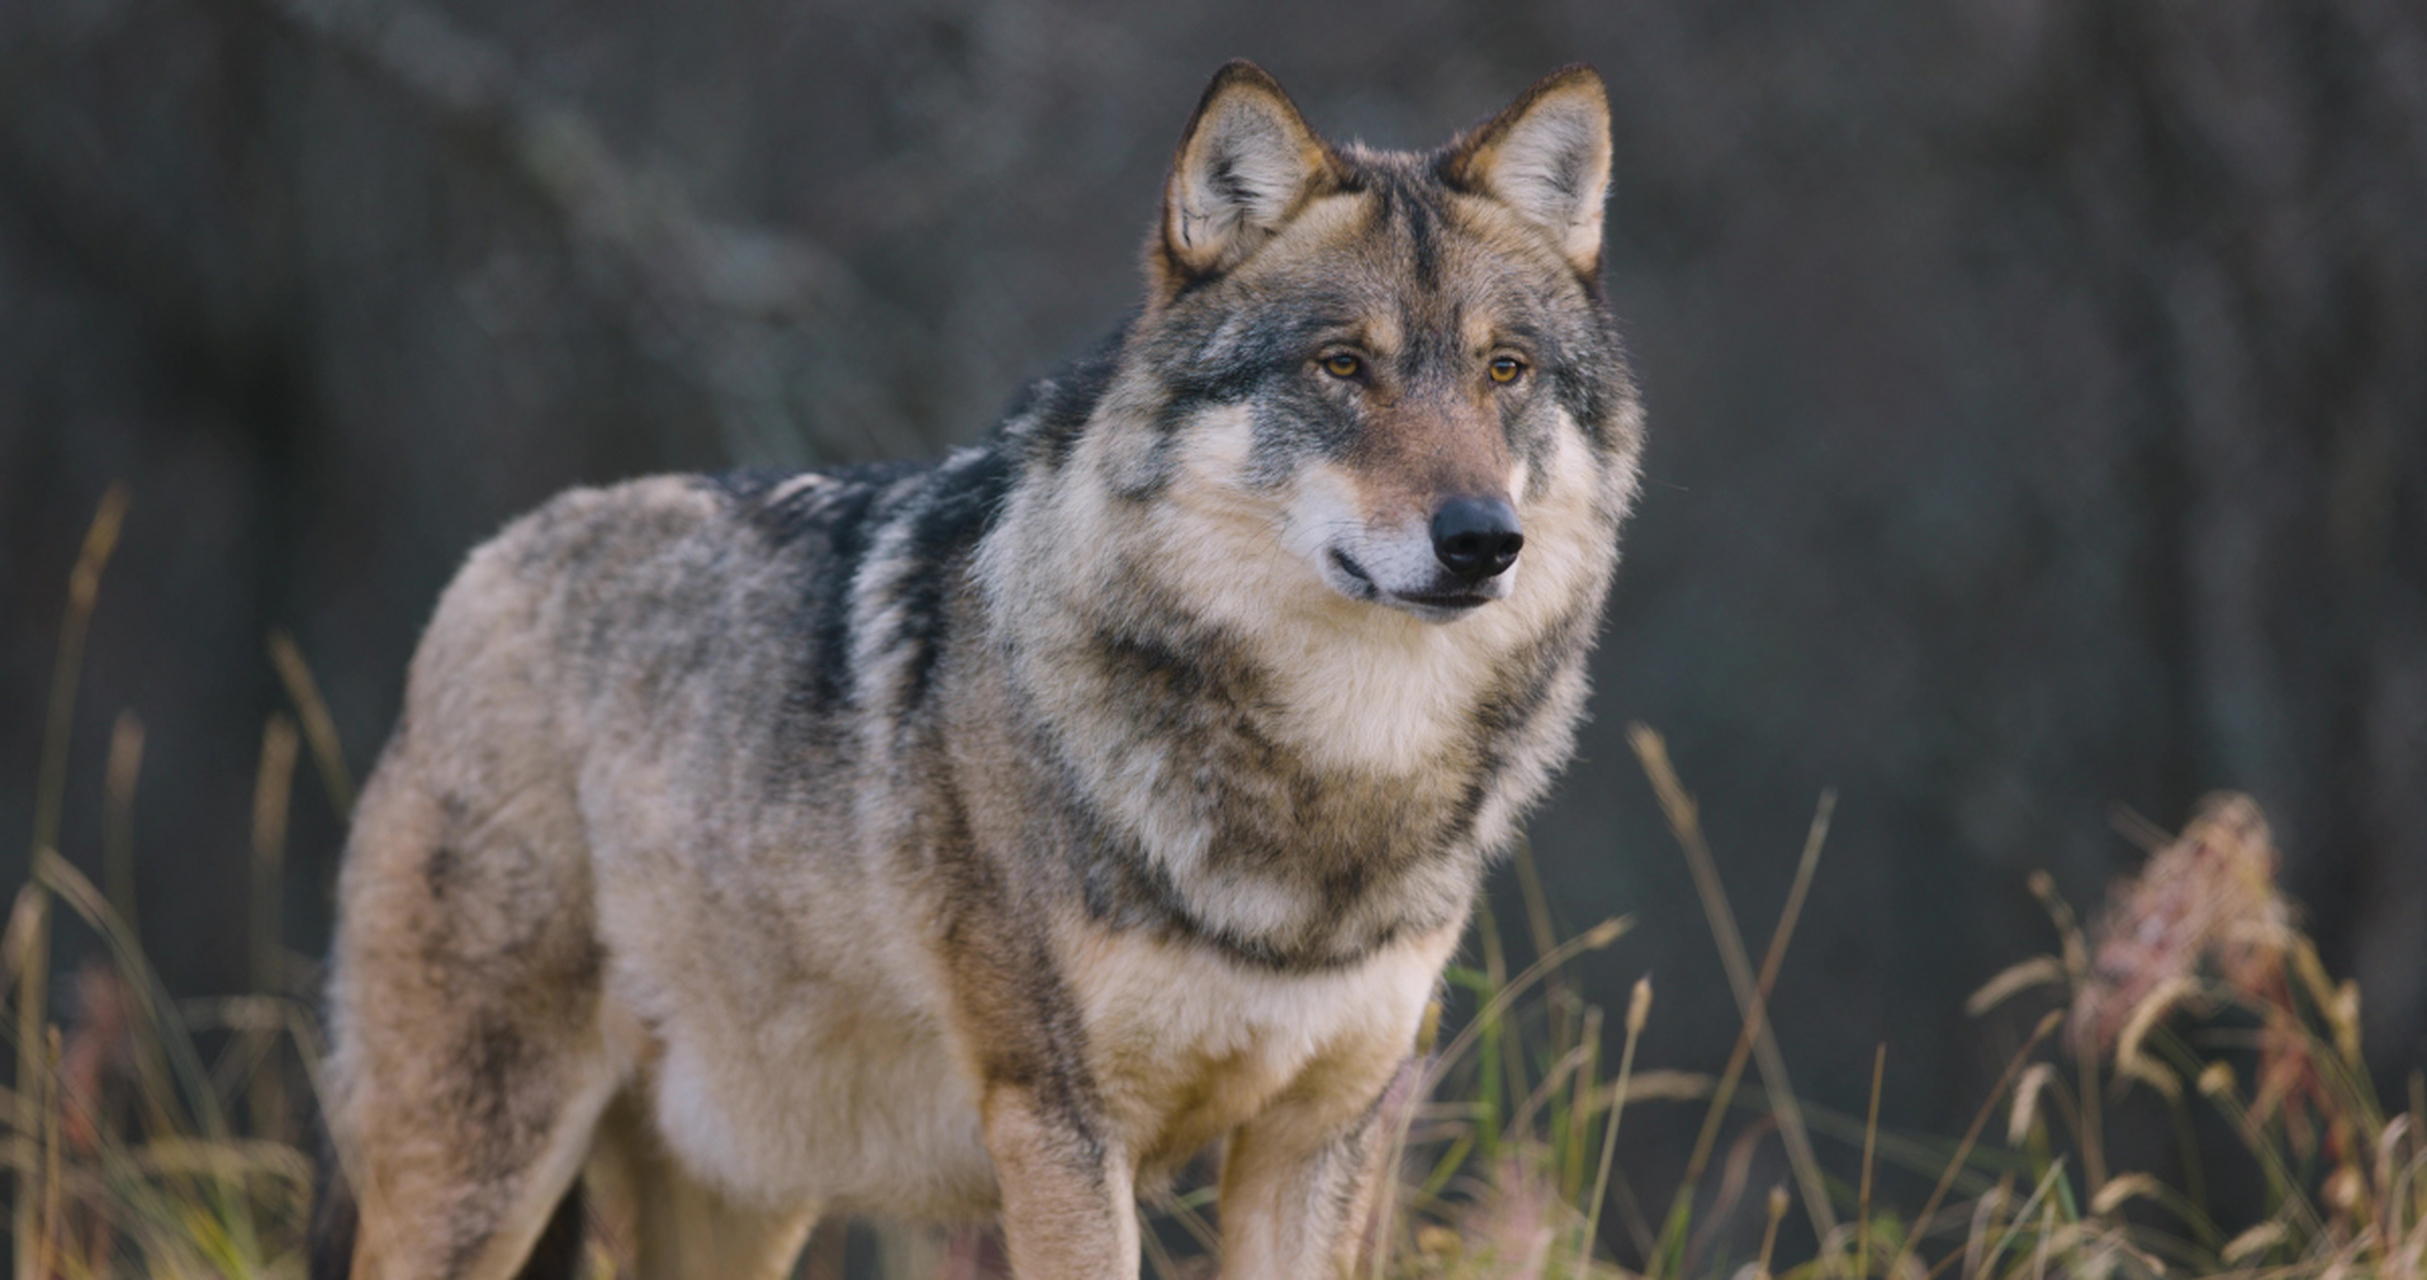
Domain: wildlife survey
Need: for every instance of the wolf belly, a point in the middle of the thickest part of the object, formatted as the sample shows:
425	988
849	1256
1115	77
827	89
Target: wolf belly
839	1106
785	1038
854	1100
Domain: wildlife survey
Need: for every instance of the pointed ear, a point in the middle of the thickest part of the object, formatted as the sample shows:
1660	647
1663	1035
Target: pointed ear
1246	163
1547	158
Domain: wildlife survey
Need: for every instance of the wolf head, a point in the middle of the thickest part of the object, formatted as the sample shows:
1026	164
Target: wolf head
1297	575
1371	432
1395	368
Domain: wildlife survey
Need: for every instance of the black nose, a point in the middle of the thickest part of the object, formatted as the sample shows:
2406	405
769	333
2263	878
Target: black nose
1476	538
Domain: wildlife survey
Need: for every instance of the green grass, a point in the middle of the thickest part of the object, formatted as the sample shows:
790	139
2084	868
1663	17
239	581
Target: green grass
147	1136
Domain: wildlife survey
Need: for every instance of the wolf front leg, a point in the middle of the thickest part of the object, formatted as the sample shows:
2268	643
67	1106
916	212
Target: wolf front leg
1069	1199
1298	1186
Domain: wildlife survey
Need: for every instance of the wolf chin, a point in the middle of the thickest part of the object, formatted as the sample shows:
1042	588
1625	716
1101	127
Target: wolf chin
992	835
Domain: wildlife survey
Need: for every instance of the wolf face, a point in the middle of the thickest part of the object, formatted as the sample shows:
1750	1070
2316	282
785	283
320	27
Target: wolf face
1301	568
1380	366
1371	437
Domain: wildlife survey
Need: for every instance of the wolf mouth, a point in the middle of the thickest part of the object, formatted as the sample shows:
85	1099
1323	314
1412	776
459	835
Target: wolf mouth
1439	605
1461	600
1356	572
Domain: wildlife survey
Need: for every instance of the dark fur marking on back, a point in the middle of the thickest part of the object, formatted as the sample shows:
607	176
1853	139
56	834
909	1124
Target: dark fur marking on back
961	506
850	526
1050	414
748	492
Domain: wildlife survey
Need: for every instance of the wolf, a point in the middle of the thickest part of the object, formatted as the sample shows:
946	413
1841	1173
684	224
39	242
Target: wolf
990	836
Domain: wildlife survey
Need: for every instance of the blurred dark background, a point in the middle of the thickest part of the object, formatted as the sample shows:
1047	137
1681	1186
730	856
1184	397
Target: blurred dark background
2038	394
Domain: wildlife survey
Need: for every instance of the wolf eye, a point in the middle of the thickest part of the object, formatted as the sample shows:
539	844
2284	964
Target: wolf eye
1343	365
1505	369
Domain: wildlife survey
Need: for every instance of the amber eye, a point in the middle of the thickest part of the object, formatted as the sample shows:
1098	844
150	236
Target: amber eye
1343	365
1506	368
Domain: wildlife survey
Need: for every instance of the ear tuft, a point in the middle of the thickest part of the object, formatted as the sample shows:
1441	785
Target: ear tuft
1244	165
1547	157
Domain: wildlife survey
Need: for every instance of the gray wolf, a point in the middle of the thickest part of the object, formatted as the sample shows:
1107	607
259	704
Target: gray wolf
991	835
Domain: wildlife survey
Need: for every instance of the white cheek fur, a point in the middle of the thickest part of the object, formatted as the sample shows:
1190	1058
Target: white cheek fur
1365	686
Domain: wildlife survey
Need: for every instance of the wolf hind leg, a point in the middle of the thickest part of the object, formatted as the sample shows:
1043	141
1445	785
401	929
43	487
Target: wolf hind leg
470	1061
504	1209
557	1255
684	1229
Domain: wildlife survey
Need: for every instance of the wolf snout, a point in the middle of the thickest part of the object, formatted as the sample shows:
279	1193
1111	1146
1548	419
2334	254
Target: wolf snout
1476	538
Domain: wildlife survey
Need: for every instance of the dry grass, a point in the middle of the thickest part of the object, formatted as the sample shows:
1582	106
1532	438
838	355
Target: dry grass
151	1137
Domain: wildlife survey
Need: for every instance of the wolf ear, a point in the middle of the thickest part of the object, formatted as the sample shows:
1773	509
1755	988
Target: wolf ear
1547	158
1245	163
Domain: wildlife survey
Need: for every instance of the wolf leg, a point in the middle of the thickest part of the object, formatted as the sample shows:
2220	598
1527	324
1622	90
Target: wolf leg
684	1229
445	1204
470	1065
1297	1189
1070	1209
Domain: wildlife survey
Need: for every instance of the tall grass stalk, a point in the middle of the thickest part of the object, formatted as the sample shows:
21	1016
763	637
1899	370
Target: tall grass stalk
118	814
1638	1013
50	795
1946	1181
1494	1003
1685	822
273	788
1870	1154
319	727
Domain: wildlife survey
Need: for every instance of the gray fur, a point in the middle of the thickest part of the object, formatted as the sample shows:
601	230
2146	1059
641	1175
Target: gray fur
829	820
